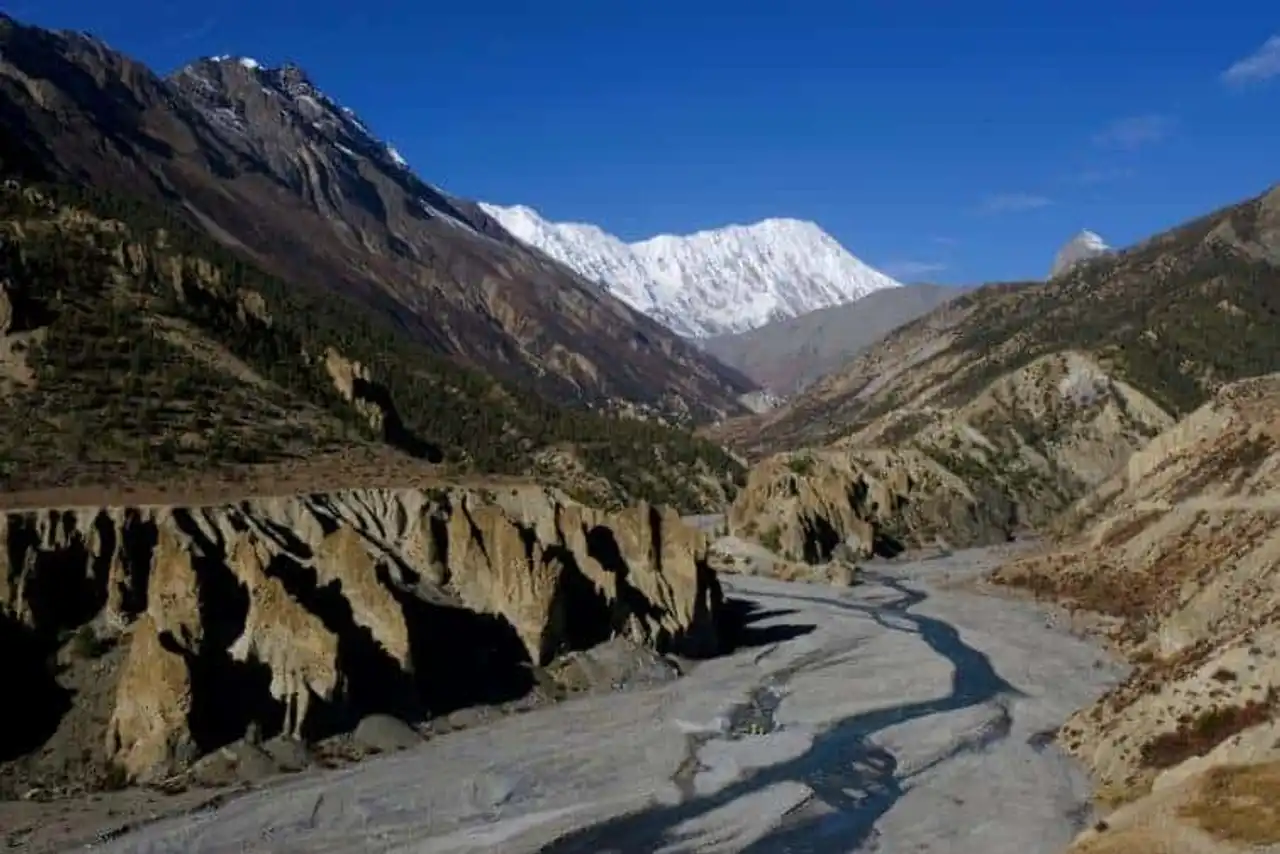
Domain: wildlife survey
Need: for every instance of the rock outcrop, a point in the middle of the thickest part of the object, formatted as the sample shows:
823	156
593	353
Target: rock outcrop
355	384
1180	549
735	556
1040	391
812	506
300	615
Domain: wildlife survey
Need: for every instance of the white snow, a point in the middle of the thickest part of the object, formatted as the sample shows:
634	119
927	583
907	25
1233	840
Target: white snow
396	158
1082	247
353	119
250	63
722	280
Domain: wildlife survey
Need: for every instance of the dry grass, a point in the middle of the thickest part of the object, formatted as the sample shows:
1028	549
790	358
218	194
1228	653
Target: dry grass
1109	797
1084	580
1132	840
1239	803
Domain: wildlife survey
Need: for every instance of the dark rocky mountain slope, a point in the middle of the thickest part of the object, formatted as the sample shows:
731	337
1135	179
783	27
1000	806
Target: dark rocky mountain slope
267	163
136	352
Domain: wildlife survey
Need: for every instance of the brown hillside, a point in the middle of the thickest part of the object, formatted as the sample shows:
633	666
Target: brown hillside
1180	549
1040	391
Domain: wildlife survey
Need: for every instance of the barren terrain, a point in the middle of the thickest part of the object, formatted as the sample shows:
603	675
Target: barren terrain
902	715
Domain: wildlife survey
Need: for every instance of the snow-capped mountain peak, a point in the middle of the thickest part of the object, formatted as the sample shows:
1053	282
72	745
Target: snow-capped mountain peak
710	282
1082	247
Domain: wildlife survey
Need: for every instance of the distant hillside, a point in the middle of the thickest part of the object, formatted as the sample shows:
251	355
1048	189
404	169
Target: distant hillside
787	355
1037	392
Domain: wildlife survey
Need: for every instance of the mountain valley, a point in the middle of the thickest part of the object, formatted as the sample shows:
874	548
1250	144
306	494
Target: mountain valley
340	512
1036	392
785	356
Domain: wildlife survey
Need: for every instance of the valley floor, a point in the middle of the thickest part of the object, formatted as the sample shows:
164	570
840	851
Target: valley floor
905	714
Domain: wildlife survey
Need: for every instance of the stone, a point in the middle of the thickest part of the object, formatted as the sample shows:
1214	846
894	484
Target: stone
385	734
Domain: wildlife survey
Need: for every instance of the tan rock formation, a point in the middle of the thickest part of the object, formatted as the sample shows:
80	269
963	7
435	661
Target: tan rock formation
966	466
279	633
149	734
289	613
354	383
805	505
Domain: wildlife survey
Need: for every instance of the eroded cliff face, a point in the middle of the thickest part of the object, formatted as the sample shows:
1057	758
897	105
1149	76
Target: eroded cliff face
298	615
806	506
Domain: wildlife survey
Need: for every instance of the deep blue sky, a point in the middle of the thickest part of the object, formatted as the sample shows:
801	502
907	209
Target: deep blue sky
975	135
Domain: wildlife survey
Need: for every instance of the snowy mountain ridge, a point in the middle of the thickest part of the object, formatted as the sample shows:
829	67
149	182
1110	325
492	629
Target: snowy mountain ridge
712	282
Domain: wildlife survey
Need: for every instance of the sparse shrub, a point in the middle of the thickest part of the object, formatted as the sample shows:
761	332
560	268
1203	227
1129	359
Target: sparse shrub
801	465
1202	733
85	643
110	385
771	539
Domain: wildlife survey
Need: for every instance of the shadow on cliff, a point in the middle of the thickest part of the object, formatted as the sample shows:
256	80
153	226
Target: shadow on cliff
39	702
857	780
463	658
395	431
60	597
459	657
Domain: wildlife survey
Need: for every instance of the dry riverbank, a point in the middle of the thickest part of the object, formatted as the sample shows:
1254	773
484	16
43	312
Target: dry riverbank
896	714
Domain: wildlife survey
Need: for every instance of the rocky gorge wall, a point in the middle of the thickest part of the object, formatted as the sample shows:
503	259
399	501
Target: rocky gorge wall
811	505
297	615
